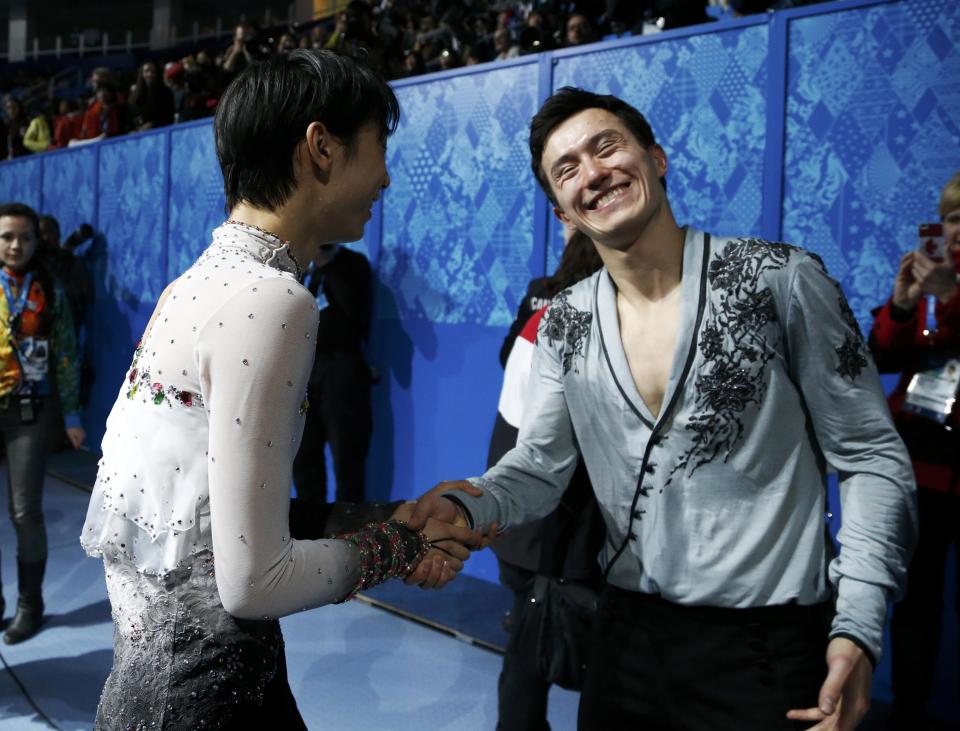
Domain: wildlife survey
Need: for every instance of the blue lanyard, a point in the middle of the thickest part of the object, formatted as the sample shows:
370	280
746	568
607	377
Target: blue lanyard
19	303
931	325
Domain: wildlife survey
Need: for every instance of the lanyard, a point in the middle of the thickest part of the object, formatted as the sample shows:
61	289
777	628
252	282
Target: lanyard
931	324
16	304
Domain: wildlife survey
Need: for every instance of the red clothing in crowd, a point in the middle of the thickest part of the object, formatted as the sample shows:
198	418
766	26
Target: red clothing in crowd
114	122
67	127
900	345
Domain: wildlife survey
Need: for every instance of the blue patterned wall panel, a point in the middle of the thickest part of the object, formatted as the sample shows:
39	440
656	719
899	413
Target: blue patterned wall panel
704	96
70	187
196	195
458	217
131	211
20	181
872	134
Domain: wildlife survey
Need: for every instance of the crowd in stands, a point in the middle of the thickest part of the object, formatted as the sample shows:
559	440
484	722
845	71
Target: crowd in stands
400	38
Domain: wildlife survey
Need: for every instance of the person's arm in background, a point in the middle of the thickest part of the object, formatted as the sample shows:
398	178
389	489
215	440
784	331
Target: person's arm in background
893	336
64	350
37	137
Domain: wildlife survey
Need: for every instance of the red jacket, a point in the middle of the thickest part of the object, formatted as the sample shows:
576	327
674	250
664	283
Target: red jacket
902	347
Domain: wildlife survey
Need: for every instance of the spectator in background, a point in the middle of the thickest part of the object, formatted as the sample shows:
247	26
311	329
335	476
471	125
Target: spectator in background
106	117
286	43
37	138
339	386
318	36
15	127
355	37
68	123
37	339
561	547
69	270
503	45
918	331
175	80
151	102
579	30
244	50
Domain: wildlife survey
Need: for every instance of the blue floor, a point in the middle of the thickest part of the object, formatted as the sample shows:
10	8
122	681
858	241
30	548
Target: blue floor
353	666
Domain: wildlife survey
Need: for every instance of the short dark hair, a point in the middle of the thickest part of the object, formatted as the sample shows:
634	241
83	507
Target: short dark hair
569	101
22	210
264	114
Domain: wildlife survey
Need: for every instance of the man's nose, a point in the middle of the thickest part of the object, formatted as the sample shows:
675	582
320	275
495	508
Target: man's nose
594	173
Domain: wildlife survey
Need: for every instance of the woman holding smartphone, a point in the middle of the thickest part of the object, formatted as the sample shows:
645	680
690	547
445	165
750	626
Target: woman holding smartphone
917	333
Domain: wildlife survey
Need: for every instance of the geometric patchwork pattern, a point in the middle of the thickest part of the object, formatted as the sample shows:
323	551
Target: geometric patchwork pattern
69	187
132	206
705	98
458	215
872	135
20	182
196	195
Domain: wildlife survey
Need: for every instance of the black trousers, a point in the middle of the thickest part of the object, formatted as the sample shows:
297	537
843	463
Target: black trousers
339	415
521	690
657	665
917	620
26	448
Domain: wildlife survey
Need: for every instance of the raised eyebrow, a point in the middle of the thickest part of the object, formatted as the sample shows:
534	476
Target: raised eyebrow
599	137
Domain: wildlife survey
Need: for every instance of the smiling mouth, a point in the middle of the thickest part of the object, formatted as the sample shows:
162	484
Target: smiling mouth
605	199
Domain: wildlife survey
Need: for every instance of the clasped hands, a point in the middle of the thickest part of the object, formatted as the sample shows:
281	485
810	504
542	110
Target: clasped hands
450	536
919	275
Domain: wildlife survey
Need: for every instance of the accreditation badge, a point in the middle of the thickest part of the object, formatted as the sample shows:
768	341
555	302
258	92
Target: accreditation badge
933	391
34	354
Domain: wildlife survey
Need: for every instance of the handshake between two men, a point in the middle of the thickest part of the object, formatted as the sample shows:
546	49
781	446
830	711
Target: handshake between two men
450	537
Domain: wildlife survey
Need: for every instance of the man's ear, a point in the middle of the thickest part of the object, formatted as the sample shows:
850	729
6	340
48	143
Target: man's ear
660	159
561	216
317	149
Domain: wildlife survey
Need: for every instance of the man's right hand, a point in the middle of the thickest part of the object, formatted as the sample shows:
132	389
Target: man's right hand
432	505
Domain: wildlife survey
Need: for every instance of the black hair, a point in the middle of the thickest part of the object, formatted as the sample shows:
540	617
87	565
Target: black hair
22	210
578	261
264	114
569	101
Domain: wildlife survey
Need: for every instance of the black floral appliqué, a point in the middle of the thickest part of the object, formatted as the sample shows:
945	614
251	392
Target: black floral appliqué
851	353
564	323
735	348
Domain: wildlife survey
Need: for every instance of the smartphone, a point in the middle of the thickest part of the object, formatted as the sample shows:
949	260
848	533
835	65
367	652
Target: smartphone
932	243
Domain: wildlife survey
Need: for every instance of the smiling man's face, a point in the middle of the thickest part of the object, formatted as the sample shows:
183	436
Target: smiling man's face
605	182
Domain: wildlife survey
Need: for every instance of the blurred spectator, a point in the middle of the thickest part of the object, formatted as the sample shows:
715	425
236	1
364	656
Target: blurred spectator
318	36
244	50
69	271
917	334
286	44
37	138
151	102
14	128
339	387
354	35
106	117
449	60
579	30
503	45
413	63
67	124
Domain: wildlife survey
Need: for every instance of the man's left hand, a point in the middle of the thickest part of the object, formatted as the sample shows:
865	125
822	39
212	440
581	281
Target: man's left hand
845	694
76	435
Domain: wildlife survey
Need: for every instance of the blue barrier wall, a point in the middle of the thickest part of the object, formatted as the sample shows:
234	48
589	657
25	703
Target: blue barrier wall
832	126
